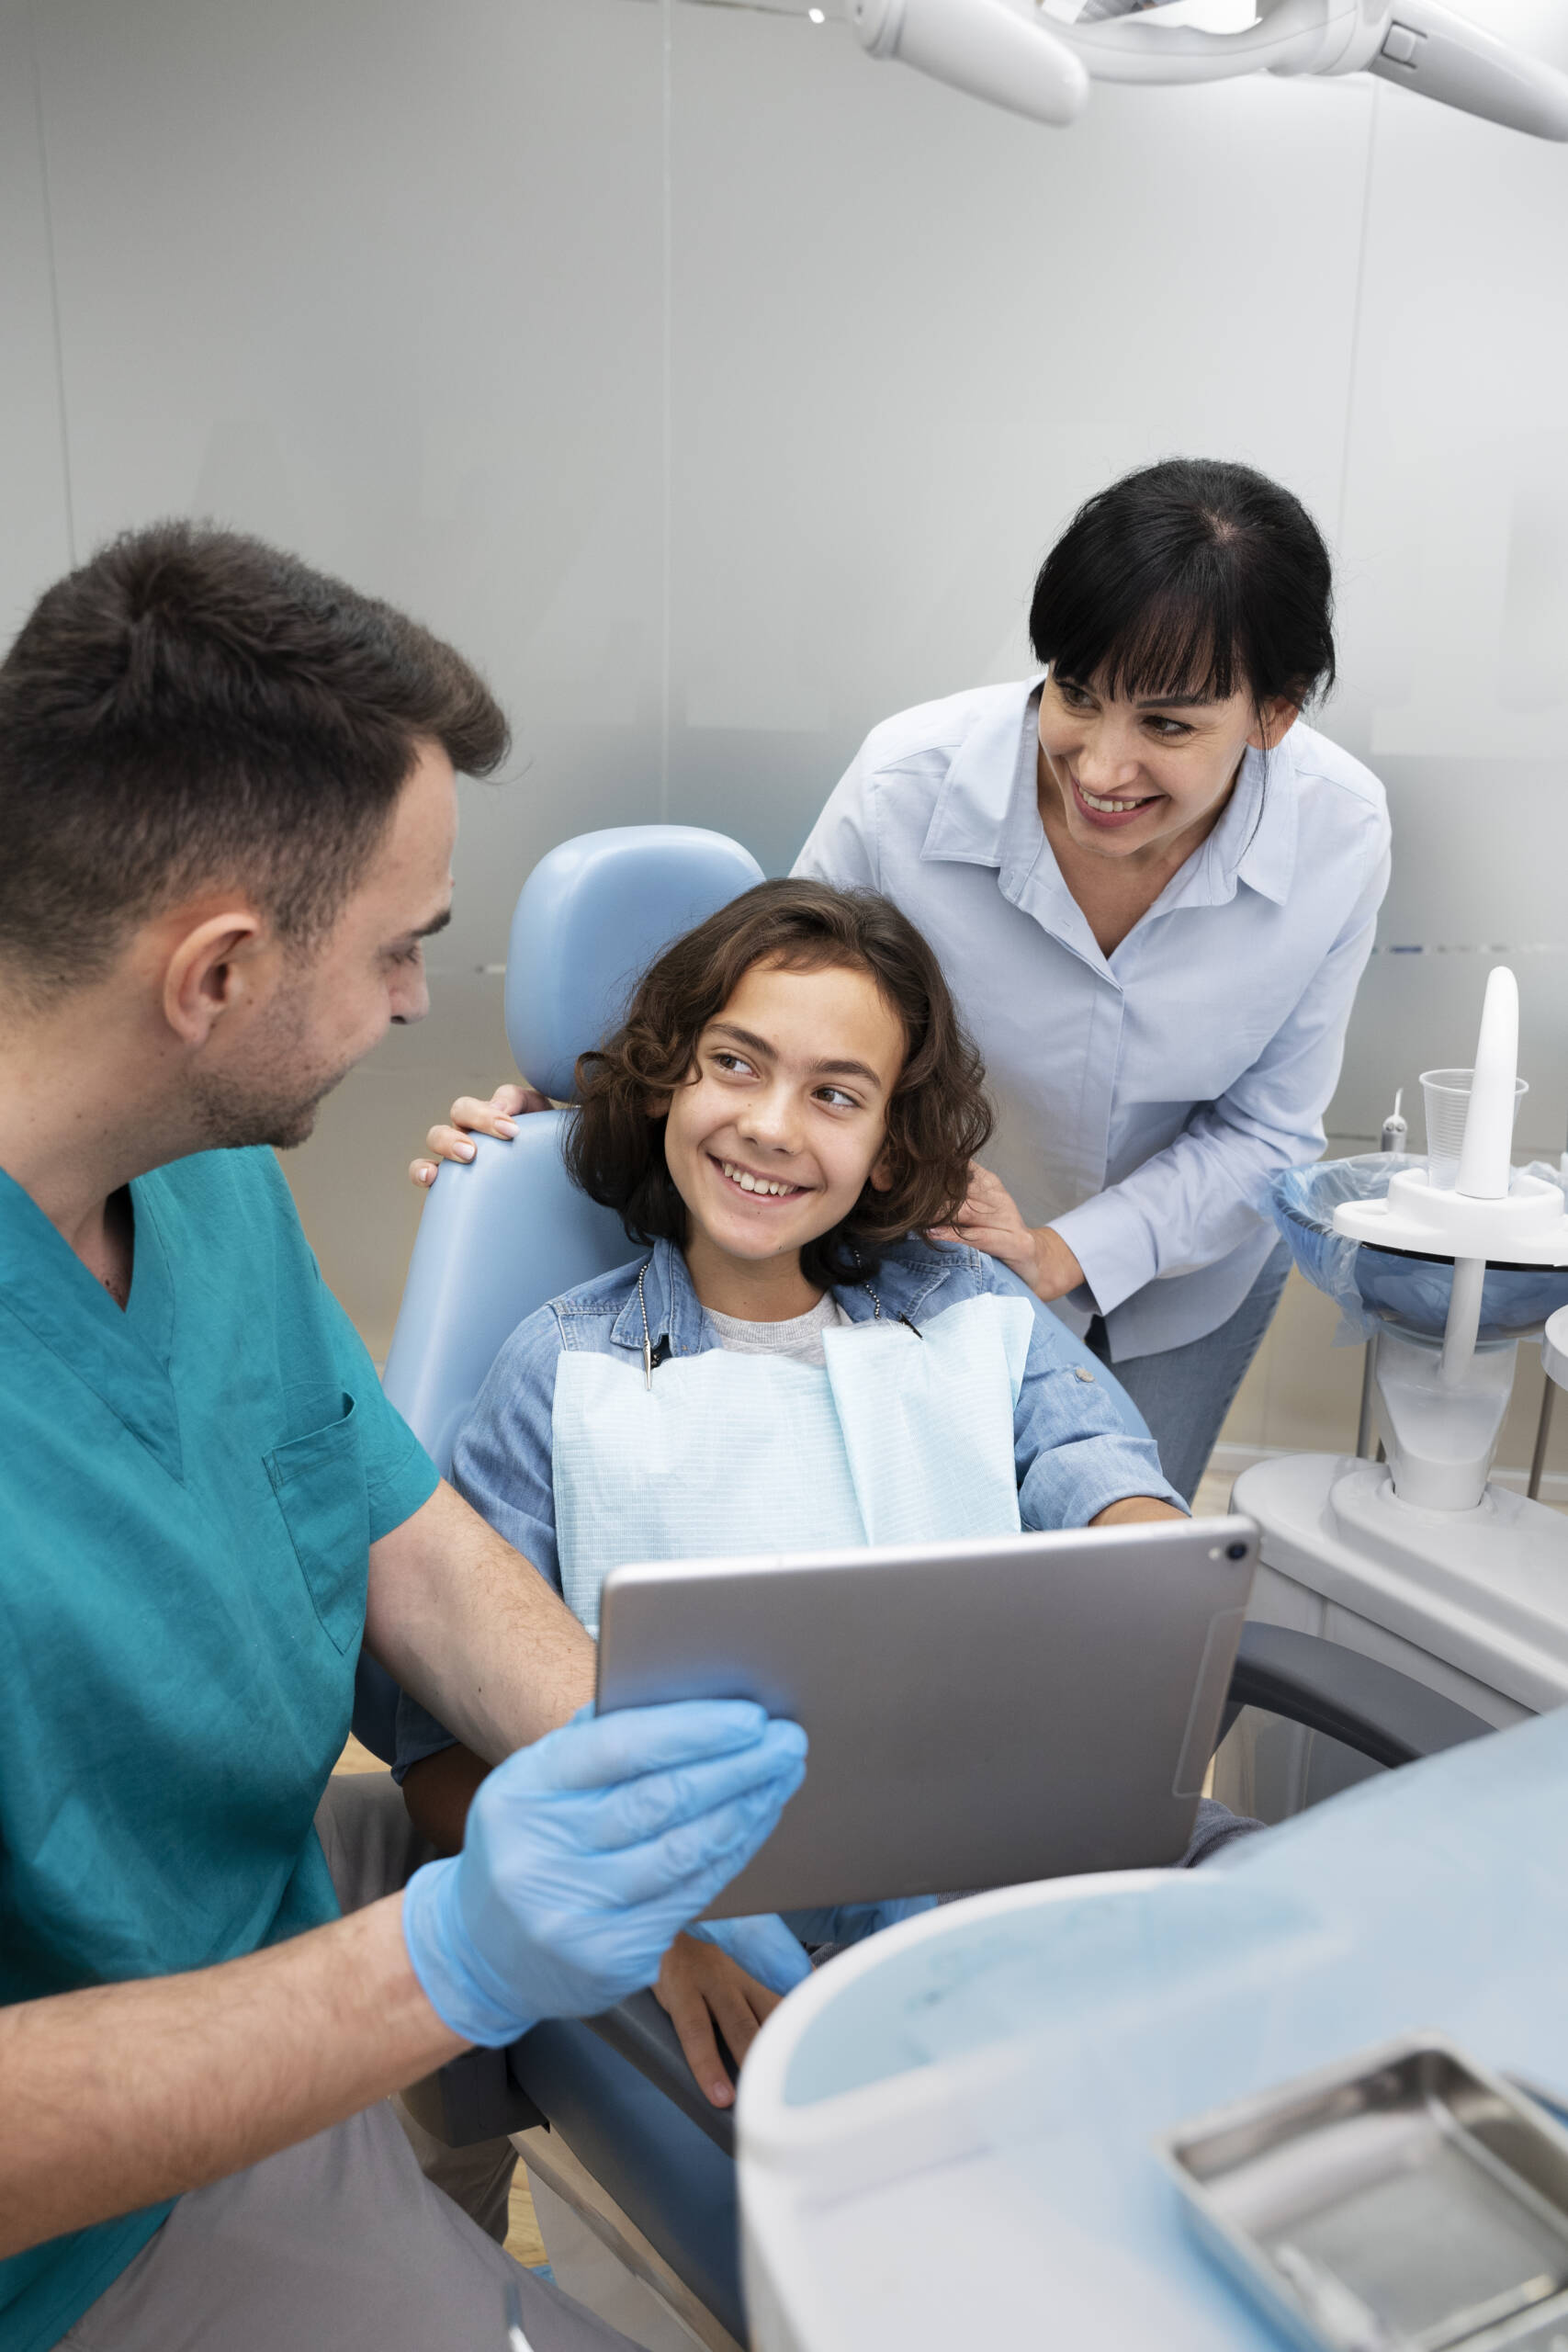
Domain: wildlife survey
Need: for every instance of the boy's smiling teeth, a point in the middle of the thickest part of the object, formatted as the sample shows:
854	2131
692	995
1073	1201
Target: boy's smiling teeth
749	1184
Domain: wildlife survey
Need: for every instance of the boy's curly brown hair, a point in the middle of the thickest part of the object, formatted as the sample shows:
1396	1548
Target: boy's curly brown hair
938	1118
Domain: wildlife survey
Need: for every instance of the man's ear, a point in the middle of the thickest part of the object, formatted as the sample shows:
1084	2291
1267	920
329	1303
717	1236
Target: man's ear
207	970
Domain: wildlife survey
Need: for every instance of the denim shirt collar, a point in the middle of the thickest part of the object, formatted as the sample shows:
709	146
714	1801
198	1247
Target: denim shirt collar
675	1316
901	1286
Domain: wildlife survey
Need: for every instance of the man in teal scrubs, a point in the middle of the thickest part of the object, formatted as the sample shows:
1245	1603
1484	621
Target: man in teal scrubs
227	803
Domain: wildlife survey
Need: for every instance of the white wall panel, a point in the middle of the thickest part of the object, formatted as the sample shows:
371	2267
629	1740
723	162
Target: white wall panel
35	544
912	333
389	282
382	282
1455	598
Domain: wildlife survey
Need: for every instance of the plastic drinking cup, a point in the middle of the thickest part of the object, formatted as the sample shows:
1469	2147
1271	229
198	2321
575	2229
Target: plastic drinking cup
1447	1096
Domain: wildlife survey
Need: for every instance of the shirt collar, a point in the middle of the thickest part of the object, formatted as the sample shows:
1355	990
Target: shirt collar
1255	841
987	814
975	820
902	1283
675	1312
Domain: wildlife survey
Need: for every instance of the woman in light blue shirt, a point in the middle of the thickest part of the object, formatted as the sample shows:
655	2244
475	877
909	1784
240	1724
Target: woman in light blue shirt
1153	889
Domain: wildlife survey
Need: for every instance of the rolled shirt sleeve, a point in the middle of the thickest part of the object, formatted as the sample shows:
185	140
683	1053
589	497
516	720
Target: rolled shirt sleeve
1073	1450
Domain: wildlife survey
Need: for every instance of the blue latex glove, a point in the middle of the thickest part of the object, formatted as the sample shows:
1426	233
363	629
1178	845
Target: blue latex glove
586	1854
773	1949
850	1923
764	1946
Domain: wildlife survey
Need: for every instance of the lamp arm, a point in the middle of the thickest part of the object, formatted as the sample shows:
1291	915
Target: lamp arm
991	50
1011	54
1440	55
1290	37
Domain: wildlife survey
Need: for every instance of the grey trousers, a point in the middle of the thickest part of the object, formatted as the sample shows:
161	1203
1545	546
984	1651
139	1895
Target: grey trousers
372	1848
341	2241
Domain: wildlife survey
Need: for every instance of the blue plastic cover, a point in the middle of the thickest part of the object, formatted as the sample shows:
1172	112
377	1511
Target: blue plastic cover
1374	1286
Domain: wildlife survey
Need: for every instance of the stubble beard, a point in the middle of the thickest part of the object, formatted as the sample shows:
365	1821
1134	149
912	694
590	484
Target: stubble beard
274	1100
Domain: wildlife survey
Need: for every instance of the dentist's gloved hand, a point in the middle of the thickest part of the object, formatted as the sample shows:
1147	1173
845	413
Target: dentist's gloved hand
773	1950
587	1853
764	1946
850	1923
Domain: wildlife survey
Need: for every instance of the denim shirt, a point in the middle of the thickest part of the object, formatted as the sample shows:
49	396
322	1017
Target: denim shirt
1071	1444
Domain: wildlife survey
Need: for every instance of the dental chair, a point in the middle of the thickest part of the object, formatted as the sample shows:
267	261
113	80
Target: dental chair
622	2147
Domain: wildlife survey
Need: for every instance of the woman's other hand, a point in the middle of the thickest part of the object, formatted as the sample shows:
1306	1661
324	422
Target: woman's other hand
991	1220
700	1988
472	1118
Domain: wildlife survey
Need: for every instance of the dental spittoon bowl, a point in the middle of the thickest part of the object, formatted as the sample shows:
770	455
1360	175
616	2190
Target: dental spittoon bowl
1394	1287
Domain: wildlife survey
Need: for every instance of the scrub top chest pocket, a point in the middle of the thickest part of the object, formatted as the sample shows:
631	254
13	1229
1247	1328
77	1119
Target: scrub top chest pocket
319	1480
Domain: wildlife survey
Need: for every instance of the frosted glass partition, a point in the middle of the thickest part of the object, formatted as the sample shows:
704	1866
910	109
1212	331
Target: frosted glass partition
721	390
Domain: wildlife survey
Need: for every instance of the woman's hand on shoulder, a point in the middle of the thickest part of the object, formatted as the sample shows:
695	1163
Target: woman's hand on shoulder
470	1118
991	1220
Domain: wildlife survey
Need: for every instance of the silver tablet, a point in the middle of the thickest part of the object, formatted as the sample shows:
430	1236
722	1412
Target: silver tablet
980	1715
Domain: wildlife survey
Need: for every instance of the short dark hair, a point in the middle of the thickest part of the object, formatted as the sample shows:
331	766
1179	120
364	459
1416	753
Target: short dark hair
1193	576
938	1118
192	707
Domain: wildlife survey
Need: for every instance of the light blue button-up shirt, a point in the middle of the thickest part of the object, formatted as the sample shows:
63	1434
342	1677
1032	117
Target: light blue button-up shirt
1145	1098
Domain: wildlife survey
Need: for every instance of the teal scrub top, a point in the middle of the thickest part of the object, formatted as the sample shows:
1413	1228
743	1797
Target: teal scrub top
188	1493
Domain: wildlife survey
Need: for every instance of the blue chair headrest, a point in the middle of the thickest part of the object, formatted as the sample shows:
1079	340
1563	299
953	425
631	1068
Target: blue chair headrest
589	918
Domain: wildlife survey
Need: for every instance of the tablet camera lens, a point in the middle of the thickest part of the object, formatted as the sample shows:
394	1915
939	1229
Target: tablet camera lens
1235	1551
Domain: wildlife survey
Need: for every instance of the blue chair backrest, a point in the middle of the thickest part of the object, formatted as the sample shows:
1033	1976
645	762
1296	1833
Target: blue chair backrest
502	1233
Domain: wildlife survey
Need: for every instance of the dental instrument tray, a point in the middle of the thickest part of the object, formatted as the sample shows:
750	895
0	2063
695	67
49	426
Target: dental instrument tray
1404	2200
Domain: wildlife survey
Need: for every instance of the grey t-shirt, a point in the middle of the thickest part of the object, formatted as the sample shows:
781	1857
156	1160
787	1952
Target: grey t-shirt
800	1337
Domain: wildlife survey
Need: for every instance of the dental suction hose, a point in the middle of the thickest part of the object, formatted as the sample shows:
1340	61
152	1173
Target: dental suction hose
982	46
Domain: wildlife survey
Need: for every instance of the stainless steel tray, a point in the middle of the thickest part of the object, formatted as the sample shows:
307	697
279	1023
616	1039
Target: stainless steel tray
1404	2200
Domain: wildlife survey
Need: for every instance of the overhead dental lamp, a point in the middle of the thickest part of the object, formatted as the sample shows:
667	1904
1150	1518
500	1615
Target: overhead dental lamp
1038	57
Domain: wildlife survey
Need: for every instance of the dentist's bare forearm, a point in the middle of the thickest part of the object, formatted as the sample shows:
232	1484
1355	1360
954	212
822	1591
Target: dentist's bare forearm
466	1626
122	2094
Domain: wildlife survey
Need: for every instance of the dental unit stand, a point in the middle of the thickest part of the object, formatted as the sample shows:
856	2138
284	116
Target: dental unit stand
1422	1561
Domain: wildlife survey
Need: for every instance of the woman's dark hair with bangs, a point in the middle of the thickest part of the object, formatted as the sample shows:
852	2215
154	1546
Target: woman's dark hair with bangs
938	1118
1191	577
